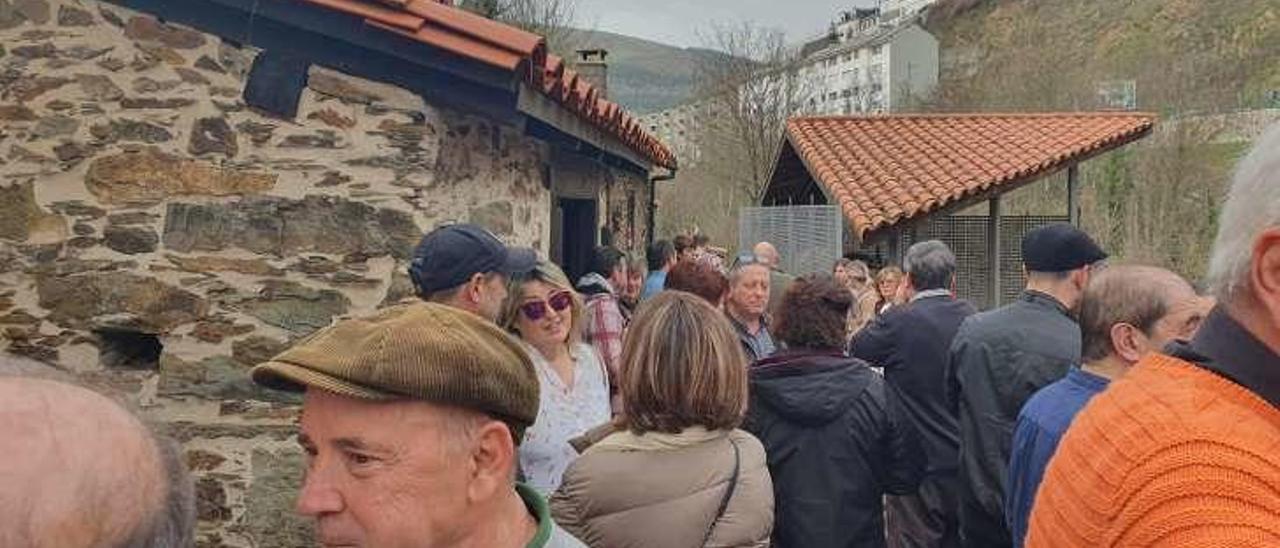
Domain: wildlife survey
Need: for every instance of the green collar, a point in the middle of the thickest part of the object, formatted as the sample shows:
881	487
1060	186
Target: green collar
538	507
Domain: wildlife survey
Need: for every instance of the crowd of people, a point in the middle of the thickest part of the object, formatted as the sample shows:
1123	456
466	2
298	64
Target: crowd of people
683	402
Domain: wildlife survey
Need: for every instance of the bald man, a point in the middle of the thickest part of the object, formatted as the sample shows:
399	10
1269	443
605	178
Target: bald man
1126	312
779	280
80	471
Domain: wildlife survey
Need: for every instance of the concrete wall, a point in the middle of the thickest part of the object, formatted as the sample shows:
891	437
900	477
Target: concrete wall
142	203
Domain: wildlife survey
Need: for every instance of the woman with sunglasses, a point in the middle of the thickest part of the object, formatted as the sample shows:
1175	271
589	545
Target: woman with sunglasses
546	314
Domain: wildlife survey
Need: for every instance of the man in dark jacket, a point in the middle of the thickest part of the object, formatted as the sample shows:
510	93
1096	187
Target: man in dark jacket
912	343
836	436
1001	357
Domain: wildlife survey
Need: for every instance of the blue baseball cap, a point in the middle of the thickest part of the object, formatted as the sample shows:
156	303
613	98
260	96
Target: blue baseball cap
450	255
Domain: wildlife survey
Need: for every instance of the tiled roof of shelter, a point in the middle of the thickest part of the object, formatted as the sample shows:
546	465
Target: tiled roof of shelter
508	48
882	170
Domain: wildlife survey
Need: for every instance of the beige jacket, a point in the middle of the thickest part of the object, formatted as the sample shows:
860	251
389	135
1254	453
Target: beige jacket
629	491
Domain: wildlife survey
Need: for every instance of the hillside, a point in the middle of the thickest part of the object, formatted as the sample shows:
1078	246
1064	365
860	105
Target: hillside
1183	55
645	76
1209	68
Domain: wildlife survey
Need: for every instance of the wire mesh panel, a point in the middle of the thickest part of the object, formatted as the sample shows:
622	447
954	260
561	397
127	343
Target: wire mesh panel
809	237
967	237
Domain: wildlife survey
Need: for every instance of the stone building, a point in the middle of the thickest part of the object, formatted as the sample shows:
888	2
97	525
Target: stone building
186	187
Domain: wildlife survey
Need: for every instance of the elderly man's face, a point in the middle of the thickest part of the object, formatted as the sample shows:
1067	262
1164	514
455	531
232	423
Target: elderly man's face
749	292
382	474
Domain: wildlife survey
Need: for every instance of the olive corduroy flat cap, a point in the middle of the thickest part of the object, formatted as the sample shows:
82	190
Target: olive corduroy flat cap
423	351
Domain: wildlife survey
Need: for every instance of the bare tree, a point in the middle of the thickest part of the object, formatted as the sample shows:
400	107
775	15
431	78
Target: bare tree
553	19
751	90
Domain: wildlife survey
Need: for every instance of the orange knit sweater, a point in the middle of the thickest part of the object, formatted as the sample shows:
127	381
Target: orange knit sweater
1170	455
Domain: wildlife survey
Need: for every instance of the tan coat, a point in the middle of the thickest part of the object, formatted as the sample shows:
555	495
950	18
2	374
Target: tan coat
612	497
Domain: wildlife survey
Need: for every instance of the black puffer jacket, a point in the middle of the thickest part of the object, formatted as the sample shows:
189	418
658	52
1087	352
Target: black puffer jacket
837	441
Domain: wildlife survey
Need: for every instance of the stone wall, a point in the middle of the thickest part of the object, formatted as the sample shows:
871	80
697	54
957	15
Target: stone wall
622	197
158	237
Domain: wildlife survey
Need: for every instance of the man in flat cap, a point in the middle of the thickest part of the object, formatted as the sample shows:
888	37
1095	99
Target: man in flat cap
1001	357
410	421
467	267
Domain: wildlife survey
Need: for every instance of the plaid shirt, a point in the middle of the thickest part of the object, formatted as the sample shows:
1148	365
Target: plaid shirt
604	328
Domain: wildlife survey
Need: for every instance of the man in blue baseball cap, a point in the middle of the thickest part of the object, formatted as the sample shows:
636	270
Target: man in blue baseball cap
467	267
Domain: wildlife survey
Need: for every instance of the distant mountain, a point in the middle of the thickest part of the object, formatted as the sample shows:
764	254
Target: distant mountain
646	76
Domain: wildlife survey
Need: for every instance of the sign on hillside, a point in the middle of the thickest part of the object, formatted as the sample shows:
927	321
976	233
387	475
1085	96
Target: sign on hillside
1118	95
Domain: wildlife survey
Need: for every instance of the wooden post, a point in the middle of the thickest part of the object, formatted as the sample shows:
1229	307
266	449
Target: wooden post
993	251
1073	194
895	247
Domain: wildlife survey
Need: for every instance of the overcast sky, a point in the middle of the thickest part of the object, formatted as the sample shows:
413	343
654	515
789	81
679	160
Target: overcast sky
678	22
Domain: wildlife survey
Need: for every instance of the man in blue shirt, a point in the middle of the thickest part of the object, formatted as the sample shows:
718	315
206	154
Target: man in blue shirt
661	256
1126	312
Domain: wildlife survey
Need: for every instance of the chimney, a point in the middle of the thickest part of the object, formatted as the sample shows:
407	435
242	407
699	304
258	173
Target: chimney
592	67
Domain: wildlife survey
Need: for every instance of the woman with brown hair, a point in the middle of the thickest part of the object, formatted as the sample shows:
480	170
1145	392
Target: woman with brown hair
838	440
673	471
699	279
544	311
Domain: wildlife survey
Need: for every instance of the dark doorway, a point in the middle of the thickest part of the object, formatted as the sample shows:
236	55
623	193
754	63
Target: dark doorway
578	236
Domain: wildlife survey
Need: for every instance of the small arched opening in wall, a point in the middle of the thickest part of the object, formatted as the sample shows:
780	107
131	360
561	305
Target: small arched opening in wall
122	348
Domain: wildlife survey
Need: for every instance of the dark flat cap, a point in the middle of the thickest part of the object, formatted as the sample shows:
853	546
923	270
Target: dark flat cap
1059	247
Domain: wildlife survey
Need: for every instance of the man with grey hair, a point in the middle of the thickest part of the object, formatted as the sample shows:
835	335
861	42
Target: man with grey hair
912	344
779	279
411	420
1126	312
81	472
747	306
1182	451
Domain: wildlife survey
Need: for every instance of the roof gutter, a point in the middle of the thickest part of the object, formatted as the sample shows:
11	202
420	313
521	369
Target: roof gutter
653	201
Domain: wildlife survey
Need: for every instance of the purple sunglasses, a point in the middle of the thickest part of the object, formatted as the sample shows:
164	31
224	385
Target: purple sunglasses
536	310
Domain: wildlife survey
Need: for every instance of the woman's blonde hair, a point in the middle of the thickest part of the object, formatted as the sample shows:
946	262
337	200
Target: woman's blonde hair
682	366
546	272
887	271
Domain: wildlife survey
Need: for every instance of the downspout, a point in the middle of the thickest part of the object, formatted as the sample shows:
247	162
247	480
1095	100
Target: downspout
653	202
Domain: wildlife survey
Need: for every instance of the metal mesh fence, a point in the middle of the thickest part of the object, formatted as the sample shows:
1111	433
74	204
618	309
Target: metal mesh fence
809	238
967	237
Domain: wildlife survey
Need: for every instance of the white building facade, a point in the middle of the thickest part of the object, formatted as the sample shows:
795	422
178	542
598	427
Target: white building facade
868	64
865	63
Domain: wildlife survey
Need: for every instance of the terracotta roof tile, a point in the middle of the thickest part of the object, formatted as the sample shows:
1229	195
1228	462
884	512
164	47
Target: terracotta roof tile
506	47
882	170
